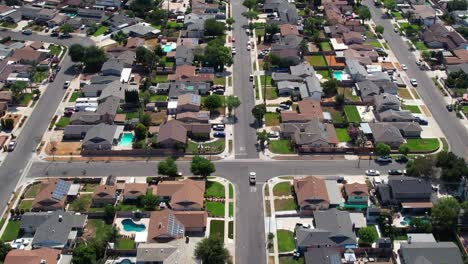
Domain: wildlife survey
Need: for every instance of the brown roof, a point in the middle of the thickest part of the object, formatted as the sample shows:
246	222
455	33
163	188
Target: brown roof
310	187
198	128
183	191
51	256
6	96
159	221
44	197
288	29
200	116
135	189
135	42
4	8
36	45
120	118
174	130
307	110
356	189
26	54
189	99
293	116
3	106
104	192
187	73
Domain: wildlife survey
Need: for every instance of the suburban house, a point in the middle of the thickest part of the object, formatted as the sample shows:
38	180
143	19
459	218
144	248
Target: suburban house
430	252
384	102
198	130
148	253
188	103
184	55
27	56
412	194
333	228
357	72
101	137
306	111
187	73
395	116
356	193
311	194
141	30
132	191
387	134
90	16
172	133
52	195
352	38
186	195
368	89
108	3
422	14
408	129
57	229
104	195
167	225
310	134
438	36
41	255
194	117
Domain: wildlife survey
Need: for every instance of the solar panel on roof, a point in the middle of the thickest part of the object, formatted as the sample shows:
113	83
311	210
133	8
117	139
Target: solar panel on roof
61	189
173	226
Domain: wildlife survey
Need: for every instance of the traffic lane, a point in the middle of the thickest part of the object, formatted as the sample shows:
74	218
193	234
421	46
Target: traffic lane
455	132
44	38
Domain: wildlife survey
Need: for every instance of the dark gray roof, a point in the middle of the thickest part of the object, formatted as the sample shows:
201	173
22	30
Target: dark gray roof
179	88
384	193
86	117
109	106
94	88
31	220
287	42
385	100
71	130
100	134
156	252
113	64
100	79
391	114
407	126
54	232
430	253
403	187
336	221
460	67
323	256
385	132
140	30
302	69
184	55
282	76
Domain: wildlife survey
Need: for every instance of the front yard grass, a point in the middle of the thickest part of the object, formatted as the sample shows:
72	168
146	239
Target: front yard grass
413	108
74	96
215	209
219	81
214	146
342	134
39	76
282	189
101	30
265	79
125	243
352	114
11	231
159	78
25	99
63	122
285	204
325	46
285	240
420	45
271	93
32	190
55	49
214	189
25	205
396	15
272	119
404	93
158	98
422	144
290	260
317	60
217	229
374	43
281	146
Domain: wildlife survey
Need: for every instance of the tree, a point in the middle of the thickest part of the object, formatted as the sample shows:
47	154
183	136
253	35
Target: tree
93	59
18	87
426	55
144	56
109	212
463	31
404	149
339	99
201	166
232	102
212	102
131	97
270	30
445	213
76	52
390	4
249	3
258	112
66	28
457	5
379	29
120	37
330	87
145	119
214	28
4	249
453	167
141	7
149	201
211	250
84	254
420	167
217	55
167	167
140	131
262	137
250	14
13	2
158	50
367	235
421	225
92	29
382	149
157	16
230	21
353	132
364	13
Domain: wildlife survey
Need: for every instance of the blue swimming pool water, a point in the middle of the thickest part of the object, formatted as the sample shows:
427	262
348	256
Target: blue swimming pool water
125	261
126	139
337	75
167	48
130	226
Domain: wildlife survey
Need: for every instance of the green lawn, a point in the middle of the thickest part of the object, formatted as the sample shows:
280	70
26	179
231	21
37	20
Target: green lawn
290	260
465	108
271	93
39	76
159	78
374	43
348	93
25	99
336	113
125	243
101	30
158	98
11	231
55	49
282	189
422	144
81	204
215	209
74	96
342	134
231	229
404	93
99	228
272	119
420	45
281	146
32	190
285	240
231	191
413	108
215	146
352	113
231	209
267	80
214	189
25	205
131	115
285	204
217	228
2	221
396	15
317	60
219	81
63	122
89	187
325	74
260	32
325	46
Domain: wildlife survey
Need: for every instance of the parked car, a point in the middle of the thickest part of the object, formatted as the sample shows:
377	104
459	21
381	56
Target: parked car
252	177
372	172
219	134
283	106
251	77
395	172
421	121
401	159
51	78
66	84
384	159
233	51
414	82
11	146
273	134
449	107
54	34
233	40
26	32
218	91
219	127
403	67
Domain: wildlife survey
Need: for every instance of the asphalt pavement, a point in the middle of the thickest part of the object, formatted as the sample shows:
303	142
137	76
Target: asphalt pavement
454	131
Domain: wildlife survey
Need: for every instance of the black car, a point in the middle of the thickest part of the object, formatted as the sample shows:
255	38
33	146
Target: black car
395	172
54	34
449	108
421	121
402	159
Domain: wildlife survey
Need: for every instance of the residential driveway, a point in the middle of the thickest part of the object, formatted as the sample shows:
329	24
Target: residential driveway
289	223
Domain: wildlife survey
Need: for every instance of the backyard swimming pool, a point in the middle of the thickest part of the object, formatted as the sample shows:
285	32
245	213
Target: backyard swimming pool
130	226
126	139
337	75
169	47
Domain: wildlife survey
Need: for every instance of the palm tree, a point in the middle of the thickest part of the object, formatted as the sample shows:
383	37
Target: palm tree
360	143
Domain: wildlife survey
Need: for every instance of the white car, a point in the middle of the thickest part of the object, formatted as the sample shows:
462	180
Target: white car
414	82
403	67
248	47
66	84
372	172
233	51
252	177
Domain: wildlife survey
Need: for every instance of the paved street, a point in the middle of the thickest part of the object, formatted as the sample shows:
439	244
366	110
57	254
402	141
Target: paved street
455	132
244	134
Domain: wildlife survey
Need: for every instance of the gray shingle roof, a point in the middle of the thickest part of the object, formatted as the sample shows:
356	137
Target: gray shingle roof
100	134
430	253
385	132
336	221
156	252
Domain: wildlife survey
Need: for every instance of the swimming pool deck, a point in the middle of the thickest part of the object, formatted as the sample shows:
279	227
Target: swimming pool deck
118	221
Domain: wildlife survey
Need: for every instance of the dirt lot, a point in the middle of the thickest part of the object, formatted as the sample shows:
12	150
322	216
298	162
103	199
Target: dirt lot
64	148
